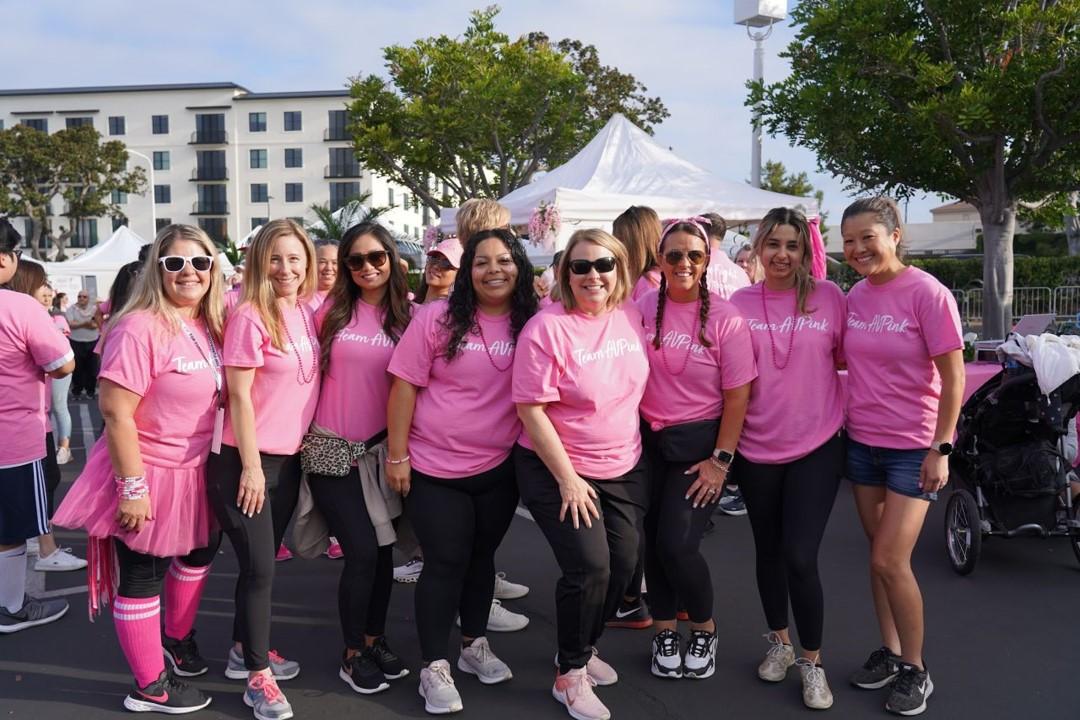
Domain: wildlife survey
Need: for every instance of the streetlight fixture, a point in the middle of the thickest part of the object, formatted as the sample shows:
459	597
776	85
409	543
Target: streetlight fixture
757	14
269	197
153	200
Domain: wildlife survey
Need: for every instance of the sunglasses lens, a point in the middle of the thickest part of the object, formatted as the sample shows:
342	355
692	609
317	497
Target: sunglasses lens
377	258
696	256
354	262
604	265
173	264
580	267
673	257
202	263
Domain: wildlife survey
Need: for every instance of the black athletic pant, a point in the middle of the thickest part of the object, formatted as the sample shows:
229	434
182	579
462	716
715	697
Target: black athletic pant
675	570
789	507
596	562
254	539
84	379
52	473
368	574
460	523
141	575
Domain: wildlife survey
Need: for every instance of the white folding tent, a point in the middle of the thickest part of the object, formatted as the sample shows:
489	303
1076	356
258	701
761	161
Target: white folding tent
96	268
624	166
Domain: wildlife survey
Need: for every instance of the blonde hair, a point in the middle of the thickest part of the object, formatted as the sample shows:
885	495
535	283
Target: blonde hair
149	291
257	289
622	271
480	214
639	229
804	280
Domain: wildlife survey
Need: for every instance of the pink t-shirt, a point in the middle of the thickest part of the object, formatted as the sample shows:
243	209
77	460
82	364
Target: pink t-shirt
725	277
893	331
650	280
175	379
317	299
356	387
286	386
465	422
30	346
232	298
687	379
794	409
61	324
590	372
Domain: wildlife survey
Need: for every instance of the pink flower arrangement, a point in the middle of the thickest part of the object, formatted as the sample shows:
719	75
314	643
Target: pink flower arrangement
544	225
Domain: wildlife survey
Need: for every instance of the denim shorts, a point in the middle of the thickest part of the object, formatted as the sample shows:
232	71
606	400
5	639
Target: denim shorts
896	470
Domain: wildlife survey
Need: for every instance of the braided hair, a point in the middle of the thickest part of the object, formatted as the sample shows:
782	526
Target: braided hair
703	288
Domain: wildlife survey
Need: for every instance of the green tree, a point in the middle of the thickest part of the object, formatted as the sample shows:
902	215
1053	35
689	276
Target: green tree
332	224
968	98
479	114
775	177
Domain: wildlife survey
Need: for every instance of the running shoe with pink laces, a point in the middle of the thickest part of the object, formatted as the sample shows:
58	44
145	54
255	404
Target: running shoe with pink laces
334	551
574	689
265	698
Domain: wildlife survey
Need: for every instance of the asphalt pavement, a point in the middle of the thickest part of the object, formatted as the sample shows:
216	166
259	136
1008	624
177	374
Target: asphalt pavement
1001	643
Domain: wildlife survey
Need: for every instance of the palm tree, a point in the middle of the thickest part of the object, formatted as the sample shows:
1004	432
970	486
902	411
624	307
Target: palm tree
332	224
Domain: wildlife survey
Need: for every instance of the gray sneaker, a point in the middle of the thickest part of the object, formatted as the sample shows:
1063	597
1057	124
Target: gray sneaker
438	689
878	670
33	612
281	668
266	700
777	660
478	659
816	694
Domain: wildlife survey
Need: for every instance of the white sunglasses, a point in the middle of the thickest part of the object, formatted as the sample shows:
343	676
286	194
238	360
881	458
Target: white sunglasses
176	263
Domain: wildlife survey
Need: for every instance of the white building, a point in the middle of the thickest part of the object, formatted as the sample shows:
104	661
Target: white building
220	156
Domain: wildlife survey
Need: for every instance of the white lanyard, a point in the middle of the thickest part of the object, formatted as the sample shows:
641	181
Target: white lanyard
213	359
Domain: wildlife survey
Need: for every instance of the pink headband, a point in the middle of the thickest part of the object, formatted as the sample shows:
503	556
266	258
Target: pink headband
697	221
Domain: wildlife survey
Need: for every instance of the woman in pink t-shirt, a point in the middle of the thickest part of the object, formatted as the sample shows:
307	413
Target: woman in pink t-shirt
638	229
440	271
903	346
579	375
791	453
452	428
701	365
142	495
326	259
271	358
364	316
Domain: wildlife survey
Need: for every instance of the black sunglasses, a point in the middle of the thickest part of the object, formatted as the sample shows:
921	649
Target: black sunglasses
176	263
440	262
674	257
602	265
375	258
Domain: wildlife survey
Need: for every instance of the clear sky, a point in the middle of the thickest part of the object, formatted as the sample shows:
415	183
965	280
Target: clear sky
688	52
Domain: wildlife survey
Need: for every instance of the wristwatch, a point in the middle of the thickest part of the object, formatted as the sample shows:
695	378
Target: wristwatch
722	456
944	448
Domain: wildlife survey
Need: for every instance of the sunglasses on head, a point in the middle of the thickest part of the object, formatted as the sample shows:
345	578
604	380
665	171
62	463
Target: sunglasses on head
176	263
602	265
440	262
375	258
674	257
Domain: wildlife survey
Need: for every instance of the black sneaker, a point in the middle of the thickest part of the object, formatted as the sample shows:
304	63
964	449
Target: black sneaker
390	664
362	674
731	501
183	655
878	670
34	611
666	654
166	695
910	691
633	615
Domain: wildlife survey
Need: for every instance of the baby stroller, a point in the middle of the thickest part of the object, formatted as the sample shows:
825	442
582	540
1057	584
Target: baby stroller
1010	476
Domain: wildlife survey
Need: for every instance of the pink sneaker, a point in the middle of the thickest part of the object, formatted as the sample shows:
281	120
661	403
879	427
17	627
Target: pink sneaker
600	671
575	691
334	551
283	554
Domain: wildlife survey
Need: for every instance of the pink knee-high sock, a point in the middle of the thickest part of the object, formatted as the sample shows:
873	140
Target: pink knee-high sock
138	626
183	589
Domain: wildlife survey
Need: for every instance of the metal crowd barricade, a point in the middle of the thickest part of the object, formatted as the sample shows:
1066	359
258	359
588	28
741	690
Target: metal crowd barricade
1066	302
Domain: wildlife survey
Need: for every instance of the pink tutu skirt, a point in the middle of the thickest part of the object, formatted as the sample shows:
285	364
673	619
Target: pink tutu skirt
181	513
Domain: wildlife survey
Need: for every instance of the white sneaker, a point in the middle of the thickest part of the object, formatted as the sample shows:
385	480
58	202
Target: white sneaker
506	590
478	659
666	654
438	689
777	660
63	455
60	561
502	620
409	572
816	694
700	660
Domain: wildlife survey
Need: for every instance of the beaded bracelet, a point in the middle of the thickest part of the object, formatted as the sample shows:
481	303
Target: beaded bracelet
402	461
131	488
720	465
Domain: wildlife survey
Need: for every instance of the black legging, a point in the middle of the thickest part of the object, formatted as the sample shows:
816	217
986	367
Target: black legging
675	570
368	574
254	539
789	507
141	575
84	379
52	473
460	523
596	562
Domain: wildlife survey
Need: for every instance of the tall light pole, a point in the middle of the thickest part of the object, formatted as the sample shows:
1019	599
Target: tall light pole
757	14
153	200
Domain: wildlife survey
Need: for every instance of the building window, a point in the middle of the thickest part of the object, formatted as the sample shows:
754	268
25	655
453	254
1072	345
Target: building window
86	234
405	202
1	124
214	227
343	192
163	223
162	194
161	159
337	125
119	197
294	192
257	221
116	125
76	122
343	164
259	193
258	159
160	124
210	128
117	222
406	229
294	157
257	122
390	196
293	120
210	165
41	124
416	233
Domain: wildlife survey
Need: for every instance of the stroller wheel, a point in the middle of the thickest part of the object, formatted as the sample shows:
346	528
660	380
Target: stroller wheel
963	533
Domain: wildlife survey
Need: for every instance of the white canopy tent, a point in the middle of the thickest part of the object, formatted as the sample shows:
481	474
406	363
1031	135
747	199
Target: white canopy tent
624	166
96	268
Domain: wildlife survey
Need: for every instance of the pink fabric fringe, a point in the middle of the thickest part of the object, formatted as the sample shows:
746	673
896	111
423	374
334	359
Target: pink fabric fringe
102	575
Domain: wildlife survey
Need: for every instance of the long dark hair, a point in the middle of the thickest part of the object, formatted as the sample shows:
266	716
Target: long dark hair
460	315
804	280
343	297
124	283
703	287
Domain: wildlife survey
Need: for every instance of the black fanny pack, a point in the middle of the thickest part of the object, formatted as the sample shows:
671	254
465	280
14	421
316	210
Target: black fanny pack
688	443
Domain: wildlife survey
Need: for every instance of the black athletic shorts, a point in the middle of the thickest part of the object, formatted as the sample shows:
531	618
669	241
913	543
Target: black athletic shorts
24	505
